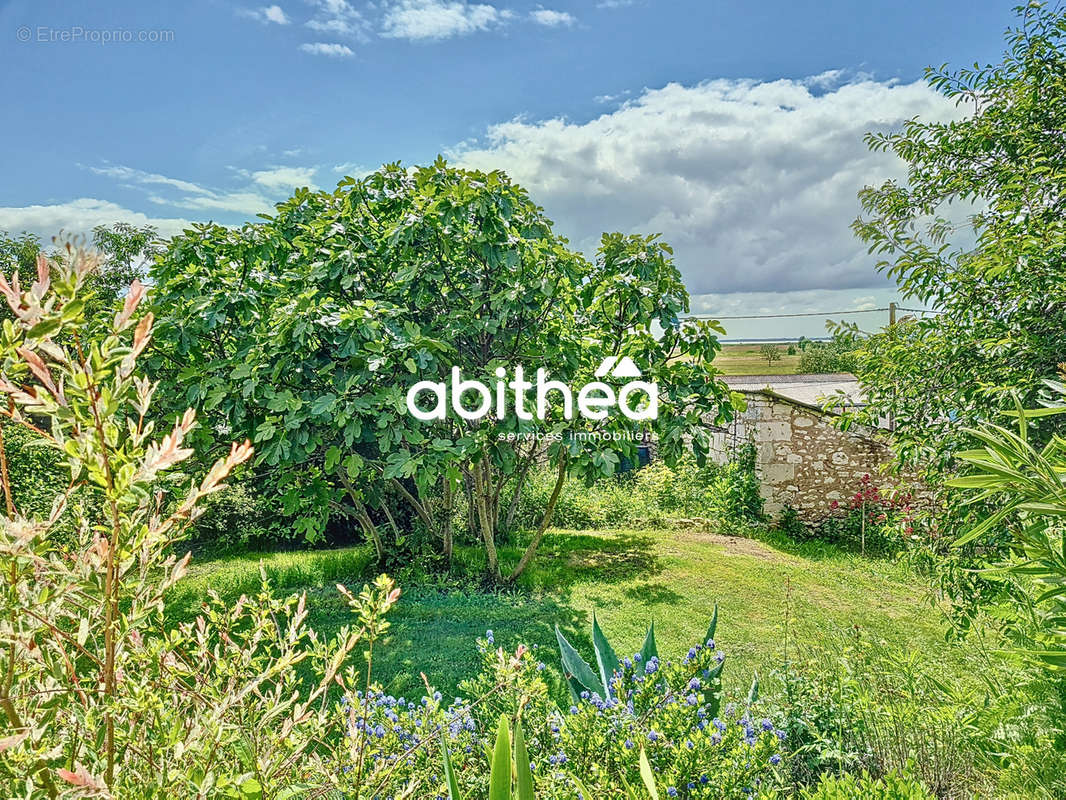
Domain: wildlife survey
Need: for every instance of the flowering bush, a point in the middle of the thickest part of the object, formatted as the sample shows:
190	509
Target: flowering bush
593	743
870	520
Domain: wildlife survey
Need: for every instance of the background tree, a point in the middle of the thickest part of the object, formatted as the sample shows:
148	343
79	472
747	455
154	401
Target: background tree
771	352
305	332
997	275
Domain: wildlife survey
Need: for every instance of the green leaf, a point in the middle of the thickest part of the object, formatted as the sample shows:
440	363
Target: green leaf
648	649
46	327
579	674
323	404
713	626
606	659
753	692
449	773
333	458
647	776
523	772
500	777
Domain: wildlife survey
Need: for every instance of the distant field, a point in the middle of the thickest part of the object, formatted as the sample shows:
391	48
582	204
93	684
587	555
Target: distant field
744	359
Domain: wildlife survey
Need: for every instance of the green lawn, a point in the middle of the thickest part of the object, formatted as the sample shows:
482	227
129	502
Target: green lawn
744	359
673	577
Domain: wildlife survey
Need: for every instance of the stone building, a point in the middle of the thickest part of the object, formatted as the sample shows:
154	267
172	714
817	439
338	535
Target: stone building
804	460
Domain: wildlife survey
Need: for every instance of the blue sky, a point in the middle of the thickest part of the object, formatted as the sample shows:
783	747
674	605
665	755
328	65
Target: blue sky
734	128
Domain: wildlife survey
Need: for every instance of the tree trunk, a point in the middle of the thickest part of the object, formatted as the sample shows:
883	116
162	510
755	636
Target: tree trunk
446	527
361	515
512	508
545	521
418	506
481	499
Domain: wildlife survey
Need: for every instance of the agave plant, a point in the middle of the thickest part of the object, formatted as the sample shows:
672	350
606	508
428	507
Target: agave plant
501	785
581	677
513	779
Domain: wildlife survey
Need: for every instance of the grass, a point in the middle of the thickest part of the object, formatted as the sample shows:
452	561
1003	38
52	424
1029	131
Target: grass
744	359
629	578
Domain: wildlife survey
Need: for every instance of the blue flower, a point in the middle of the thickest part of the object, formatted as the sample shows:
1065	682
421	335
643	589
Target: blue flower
670	790
653	736
629	744
775	759
488	635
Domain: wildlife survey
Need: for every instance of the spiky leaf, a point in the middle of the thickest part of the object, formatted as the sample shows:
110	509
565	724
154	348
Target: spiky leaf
579	674
647	776
521	761
648	649
500	777
606	660
449	773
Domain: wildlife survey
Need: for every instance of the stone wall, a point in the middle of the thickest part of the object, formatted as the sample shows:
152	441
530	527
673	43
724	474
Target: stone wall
803	459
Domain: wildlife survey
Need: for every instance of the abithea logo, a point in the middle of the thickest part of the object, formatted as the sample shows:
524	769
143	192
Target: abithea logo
593	399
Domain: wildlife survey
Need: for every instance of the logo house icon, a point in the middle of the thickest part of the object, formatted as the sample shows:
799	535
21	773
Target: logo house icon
618	368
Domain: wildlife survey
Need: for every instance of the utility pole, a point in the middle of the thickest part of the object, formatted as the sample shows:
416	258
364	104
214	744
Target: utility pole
891	324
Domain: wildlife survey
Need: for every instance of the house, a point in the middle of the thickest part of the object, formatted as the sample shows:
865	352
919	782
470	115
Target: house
803	459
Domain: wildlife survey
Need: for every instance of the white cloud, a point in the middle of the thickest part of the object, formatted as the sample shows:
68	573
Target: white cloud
79	217
552	19
136	176
753	183
615	3
330	49
246	201
439	19
285	178
339	18
266	14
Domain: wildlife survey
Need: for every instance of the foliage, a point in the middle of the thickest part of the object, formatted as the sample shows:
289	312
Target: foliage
893	786
1025	482
306	331
34	470
100	697
652	496
836	355
604	682
771	352
994	276
503	765
862	706
870	520
122	250
241	518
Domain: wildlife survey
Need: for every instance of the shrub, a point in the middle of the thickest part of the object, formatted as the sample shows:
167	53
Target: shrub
893	786
657	706
648	497
864	706
870	520
100	697
836	355
241	517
